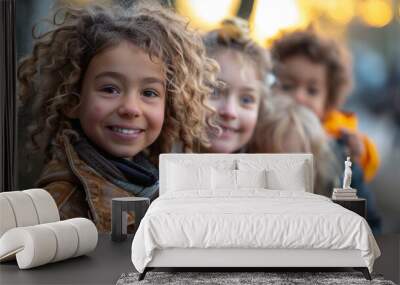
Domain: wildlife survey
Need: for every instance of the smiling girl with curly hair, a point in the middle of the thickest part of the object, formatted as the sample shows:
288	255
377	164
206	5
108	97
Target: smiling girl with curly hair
113	88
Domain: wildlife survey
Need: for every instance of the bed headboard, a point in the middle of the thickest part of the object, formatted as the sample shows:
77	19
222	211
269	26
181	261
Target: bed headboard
271	161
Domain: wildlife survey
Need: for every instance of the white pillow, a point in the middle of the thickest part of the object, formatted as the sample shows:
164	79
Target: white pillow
282	180
281	174
228	179
223	179
188	177
251	178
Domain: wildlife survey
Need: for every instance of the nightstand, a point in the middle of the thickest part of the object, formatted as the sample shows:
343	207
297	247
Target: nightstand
120	207
358	205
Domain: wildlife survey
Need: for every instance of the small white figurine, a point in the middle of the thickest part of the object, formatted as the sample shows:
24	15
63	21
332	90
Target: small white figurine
347	174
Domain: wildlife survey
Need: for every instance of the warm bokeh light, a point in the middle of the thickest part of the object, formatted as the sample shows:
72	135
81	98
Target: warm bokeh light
269	17
207	14
340	11
376	13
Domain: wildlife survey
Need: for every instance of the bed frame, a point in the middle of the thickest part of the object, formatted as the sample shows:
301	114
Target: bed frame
237	259
249	259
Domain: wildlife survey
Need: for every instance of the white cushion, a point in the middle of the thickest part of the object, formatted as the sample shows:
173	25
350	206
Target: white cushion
292	181
26	208
32	246
224	179
7	218
280	174
251	178
23	208
182	177
87	233
45	206
67	237
40	244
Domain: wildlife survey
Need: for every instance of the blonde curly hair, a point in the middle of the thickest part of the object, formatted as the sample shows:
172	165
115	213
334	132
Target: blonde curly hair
287	127
51	76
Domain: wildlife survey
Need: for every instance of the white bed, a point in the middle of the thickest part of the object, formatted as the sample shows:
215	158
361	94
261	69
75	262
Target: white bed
229	210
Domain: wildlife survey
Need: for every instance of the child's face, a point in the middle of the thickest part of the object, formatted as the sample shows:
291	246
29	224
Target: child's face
305	81
122	100
237	103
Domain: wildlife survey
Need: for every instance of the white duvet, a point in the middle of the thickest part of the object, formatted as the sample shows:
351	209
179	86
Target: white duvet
253	218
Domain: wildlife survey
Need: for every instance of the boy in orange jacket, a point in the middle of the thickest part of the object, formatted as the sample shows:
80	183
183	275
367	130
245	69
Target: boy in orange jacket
316	72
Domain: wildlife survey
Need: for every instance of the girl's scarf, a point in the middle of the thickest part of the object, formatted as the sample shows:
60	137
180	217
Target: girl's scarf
137	176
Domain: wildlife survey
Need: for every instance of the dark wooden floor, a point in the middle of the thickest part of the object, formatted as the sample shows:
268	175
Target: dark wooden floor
110	260
389	262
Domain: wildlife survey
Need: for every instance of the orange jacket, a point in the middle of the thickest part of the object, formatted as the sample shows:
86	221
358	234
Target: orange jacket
335	121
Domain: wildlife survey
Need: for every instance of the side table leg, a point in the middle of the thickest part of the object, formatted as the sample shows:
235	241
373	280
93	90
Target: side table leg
119	215
118	221
140	210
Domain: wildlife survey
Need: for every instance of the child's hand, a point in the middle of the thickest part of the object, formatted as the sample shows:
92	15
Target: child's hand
354	142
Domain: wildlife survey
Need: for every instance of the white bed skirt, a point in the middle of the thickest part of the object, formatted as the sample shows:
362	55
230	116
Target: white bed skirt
194	257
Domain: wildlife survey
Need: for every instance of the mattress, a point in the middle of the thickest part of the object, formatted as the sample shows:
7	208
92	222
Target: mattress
250	219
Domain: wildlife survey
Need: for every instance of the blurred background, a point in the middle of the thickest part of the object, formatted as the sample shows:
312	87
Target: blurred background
369	28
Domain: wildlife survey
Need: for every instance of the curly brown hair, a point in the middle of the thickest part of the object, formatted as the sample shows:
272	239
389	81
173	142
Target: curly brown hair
319	50
51	76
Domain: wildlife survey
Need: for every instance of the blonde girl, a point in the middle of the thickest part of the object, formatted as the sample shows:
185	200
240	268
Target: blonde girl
287	127
242	90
